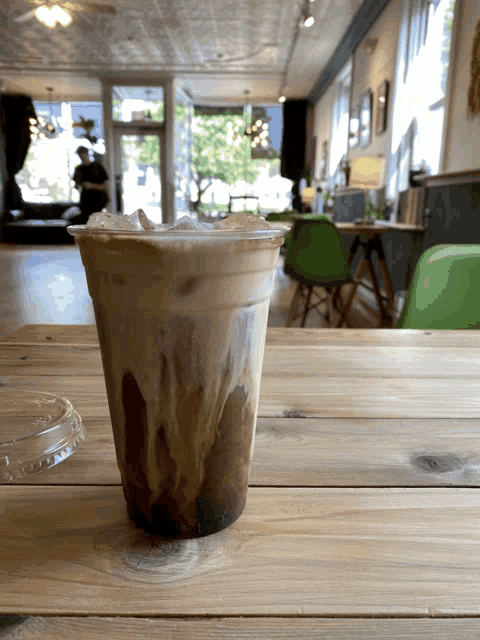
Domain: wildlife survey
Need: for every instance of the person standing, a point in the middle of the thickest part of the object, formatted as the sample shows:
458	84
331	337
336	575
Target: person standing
91	180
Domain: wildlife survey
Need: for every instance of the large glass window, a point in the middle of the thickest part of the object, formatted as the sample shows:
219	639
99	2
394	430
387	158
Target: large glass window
339	137
47	173
227	172
138	104
140	174
421	79
183	152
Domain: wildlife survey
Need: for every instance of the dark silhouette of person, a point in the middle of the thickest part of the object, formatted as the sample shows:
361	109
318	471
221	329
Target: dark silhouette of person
296	198
91	180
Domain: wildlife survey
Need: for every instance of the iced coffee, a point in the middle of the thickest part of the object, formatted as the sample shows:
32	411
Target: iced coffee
181	314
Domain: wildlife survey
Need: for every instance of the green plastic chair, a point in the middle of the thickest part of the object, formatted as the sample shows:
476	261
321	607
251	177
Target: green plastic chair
277	217
443	293
281	217
317	258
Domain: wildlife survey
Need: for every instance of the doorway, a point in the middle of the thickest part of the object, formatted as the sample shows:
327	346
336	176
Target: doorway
140	169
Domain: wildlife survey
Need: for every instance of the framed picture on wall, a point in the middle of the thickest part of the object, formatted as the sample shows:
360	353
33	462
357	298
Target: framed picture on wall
365	118
353	127
382	107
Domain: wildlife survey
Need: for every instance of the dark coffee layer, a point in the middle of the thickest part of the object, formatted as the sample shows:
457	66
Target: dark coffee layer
221	497
184	419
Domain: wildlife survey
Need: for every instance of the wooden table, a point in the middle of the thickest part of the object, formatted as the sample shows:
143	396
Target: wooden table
362	521
369	238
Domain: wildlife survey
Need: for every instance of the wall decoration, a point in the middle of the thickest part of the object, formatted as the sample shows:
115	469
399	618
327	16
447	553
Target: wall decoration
353	127
382	107
474	88
365	118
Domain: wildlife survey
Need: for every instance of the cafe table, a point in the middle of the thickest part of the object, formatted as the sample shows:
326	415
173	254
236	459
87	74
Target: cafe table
362	519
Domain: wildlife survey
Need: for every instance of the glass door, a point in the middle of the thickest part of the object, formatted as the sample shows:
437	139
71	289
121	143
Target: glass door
139	175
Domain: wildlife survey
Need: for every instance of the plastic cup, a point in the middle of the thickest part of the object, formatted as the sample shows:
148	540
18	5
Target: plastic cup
181	319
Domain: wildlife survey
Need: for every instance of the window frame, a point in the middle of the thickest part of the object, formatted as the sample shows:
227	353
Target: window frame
340	110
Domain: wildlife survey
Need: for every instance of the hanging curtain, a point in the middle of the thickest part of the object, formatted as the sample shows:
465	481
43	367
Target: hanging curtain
294	139
17	110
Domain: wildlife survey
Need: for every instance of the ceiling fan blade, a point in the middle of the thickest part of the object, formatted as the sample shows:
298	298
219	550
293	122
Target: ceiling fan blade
91	7
26	16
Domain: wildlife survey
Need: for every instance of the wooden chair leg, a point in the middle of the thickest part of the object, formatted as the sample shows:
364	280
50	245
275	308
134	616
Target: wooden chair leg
362	265
378	295
292	313
346	307
387	281
307	305
336	296
330	295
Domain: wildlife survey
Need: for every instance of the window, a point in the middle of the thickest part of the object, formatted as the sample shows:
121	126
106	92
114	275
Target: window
47	173
419	14
339	137
183	152
138	104
227	172
421	79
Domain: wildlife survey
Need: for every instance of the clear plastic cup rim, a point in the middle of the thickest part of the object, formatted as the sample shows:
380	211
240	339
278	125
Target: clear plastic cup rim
199	235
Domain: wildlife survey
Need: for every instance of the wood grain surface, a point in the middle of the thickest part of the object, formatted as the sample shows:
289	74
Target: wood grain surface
305	397
54	333
87	334
293	337
294	551
108	628
326	452
364	502
280	361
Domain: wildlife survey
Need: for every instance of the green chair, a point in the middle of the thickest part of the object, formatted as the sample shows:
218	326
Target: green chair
443	293
317	258
281	217
277	217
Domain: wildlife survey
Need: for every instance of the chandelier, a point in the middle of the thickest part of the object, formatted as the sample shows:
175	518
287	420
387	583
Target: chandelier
41	128
257	132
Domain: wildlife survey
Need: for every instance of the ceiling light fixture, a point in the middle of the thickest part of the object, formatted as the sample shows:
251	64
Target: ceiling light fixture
257	132
43	129
308	19
53	15
282	98
148	115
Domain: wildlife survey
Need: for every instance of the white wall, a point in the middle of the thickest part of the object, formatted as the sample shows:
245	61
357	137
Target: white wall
463	131
370	70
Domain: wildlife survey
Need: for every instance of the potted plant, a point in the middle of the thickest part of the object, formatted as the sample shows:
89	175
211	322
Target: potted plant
372	212
329	199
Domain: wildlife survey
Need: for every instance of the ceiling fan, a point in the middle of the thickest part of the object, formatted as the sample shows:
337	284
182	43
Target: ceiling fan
52	12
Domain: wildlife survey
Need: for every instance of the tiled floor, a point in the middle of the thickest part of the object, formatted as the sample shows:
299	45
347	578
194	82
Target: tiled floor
47	284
